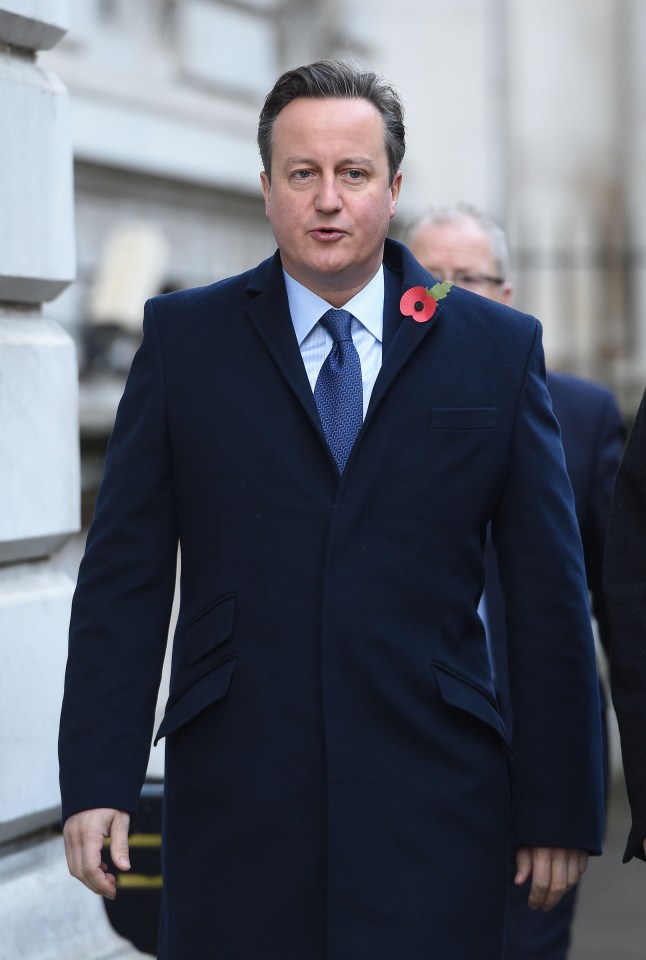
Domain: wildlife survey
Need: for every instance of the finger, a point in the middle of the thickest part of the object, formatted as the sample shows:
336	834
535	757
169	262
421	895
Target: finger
100	881
558	879
119	841
577	863
93	871
523	865
541	876
71	854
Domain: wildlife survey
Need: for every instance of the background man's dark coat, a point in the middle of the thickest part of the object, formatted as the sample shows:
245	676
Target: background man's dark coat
625	590
592	433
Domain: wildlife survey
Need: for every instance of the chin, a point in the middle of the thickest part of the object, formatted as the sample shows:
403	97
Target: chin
332	266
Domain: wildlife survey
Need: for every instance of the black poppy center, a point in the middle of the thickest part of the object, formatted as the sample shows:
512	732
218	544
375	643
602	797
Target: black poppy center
419	305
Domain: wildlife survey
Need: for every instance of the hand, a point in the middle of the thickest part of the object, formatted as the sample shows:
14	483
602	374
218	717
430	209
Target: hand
554	871
84	834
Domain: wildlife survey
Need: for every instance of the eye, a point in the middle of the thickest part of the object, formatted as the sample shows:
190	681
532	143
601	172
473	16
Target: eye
355	175
301	175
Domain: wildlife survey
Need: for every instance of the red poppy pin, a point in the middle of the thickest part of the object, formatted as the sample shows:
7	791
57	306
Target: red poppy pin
420	303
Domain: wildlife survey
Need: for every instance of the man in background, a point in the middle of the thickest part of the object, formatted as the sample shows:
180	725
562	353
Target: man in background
465	247
625	588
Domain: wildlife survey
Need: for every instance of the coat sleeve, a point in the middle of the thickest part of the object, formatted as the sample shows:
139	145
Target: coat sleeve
609	443
122	603
625	591
557	769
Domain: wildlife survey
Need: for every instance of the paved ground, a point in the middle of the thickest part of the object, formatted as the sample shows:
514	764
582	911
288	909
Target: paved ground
610	922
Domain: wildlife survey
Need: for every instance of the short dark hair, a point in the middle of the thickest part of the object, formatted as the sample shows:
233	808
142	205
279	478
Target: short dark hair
335	78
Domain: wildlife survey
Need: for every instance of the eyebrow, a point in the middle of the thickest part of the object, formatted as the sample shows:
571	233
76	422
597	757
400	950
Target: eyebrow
346	162
357	162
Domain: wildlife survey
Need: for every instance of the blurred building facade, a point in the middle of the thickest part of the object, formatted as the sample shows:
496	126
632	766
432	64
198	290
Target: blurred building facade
535	112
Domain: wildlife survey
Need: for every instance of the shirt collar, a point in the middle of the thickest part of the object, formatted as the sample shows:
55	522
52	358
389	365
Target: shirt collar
307	308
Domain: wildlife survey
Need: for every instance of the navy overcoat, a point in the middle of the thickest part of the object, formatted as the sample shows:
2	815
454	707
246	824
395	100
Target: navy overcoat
340	783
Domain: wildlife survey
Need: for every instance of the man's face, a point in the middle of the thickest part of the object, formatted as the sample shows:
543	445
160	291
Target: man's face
460	251
330	199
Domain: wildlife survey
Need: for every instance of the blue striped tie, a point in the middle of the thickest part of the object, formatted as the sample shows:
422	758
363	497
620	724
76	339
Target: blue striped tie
339	391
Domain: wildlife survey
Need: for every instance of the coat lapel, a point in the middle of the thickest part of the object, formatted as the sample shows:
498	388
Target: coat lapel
402	335
268	311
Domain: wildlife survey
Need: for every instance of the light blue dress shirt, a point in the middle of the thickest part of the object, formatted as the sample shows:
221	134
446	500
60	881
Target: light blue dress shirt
367	309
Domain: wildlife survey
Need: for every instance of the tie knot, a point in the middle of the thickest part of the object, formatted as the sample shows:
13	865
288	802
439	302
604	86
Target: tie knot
338	324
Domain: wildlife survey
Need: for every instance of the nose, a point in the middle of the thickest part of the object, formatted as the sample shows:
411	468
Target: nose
328	196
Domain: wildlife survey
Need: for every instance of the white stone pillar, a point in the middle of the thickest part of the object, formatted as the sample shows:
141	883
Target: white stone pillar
565	167
635	133
44	914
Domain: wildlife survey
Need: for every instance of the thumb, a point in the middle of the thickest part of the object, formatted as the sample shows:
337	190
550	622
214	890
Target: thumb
523	865
119	841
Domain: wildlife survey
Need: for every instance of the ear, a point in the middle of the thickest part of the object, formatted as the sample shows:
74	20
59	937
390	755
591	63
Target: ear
507	293
395	189
266	189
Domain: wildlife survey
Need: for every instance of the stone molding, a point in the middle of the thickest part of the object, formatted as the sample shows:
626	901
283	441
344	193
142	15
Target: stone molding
39	460
37	252
33	24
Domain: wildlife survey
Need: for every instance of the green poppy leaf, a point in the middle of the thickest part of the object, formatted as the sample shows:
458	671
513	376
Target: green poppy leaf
440	290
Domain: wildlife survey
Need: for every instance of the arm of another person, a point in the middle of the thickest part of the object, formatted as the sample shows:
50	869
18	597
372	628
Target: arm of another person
625	592
557	771
609	445
119	626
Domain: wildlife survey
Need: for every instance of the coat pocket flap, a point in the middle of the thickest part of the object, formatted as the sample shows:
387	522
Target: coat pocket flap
210	688
213	627
465	695
463	418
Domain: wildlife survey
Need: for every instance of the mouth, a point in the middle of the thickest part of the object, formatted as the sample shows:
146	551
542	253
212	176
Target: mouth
327	234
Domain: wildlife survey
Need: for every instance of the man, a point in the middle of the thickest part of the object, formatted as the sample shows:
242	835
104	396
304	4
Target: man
464	246
337	769
625	588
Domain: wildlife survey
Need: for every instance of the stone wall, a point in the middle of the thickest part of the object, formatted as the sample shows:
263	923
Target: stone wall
44	915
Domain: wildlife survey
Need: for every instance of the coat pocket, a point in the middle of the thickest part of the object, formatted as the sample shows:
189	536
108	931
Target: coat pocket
460	692
213	627
206	690
463	418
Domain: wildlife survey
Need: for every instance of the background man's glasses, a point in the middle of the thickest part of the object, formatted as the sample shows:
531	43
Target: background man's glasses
469	280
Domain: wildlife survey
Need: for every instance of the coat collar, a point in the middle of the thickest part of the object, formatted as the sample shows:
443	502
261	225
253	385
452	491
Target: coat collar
268	311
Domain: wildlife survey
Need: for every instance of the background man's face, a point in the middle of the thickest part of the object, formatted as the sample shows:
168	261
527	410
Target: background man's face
330	199
460	251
